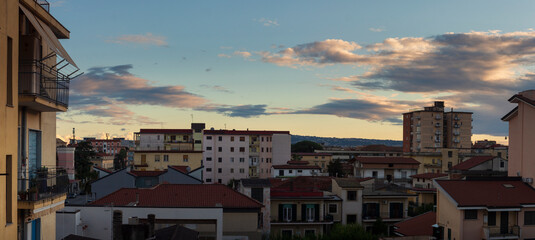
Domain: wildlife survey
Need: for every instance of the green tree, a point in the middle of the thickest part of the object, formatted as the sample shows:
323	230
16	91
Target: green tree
82	160
335	168
380	228
349	231
306	146
119	161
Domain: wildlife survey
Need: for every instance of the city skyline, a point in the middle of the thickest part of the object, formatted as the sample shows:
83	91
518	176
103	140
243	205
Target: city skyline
292	66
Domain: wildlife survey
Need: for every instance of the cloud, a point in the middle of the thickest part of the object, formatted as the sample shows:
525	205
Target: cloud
144	39
377	29
242	54
222	55
267	22
216	88
244	111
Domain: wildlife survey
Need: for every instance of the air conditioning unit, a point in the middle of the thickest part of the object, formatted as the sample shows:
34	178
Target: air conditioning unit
528	180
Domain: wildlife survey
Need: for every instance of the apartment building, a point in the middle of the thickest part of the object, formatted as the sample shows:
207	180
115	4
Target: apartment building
34	74
108	146
295	169
317	159
424	187
522	136
237	154
386	169
490	148
432	129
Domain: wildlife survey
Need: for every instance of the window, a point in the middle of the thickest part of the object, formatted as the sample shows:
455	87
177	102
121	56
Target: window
449	233
374	174
9	188
9	73
310	212
198	141
492	219
262	149
281	172
209	137
232	139
208	169
450	164
219	180
173	138
499	154
351	218
219	170
529	218
220	149
232	170
470	214
185	158
396	210
299	171
502	164
156	158
242	159
287	212
262	139
219	159
208	148
242	149
208	180
166	158
220	138
242	139
242	170
158	137
257	194
232	159
333	208
450	154
352	195
208	159
231	149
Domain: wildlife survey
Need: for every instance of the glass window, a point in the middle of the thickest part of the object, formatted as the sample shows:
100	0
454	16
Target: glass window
208	148
231	149
242	159
208	159
242	139
257	194
232	139
166	158
242	149
220	149
219	170
287	212
219	159
208	169
209	137
208	180
185	158
492	219
242	170
352	195
529	218
333	208
351	218
156	158
470	214
220	138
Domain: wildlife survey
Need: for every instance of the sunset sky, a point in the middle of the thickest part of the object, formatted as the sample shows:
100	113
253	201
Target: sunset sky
322	68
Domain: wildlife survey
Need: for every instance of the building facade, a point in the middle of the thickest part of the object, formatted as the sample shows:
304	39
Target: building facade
432	128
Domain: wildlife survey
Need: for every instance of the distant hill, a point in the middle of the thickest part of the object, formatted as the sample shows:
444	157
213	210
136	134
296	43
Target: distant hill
345	142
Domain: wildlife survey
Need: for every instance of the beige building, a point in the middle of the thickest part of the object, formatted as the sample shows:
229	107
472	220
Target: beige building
432	129
103	160
149	160
318	159
34	86
350	191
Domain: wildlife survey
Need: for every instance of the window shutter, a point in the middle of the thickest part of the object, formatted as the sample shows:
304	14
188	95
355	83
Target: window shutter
317	212
280	212
294	212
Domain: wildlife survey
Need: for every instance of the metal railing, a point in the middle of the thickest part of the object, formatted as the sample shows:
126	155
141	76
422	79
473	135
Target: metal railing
383	215
38	79
44	3
501	232
42	183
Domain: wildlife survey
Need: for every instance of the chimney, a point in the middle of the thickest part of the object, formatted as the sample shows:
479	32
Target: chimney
117	225
151	218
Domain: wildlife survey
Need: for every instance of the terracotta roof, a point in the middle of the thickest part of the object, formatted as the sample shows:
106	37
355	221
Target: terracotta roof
243	132
146	173
420	225
104	140
295	166
386	160
488	193
164	131
102	169
182	169
255	182
312	154
429	175
472	162
294	162
380	148
180	195
303	186
348	182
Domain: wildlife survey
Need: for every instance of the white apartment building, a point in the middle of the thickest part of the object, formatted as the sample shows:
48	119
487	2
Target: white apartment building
237	154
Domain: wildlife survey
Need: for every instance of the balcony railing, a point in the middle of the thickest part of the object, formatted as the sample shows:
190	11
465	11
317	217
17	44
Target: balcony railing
45	4
38	79
497	232
42	183
383	215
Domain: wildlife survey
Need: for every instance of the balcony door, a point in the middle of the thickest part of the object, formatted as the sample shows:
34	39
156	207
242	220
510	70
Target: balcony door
504	222
34	152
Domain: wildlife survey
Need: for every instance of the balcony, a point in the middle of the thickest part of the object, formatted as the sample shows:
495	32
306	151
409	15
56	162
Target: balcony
438	132
438	117
497	232
437	124
43	87
385	216
42	187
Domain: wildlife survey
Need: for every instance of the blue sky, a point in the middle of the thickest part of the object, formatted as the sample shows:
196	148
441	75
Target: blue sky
336	68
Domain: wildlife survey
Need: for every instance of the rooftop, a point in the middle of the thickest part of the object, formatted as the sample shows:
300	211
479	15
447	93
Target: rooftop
472	162
296	166
243	132
181	196
303	186
420	225
255	182
313	154
146	173
182	169
348	182
488	193
429	175
386	160
166	131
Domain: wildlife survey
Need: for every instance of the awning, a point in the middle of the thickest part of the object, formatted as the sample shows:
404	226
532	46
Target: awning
47	35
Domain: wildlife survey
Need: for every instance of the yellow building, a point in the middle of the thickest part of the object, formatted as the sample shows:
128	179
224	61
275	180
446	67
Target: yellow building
149	160
33	64
103	160
318	159
437	162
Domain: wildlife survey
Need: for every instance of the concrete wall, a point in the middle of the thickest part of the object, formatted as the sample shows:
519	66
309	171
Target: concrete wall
175	158
521	138
281	148
230	165
448	216
296	172
68	223
348	207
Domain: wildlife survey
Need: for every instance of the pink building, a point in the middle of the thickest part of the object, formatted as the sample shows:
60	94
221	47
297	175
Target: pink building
65	160
522	136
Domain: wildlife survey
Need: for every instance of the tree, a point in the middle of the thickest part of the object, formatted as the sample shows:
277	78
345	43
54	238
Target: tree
82	163
306	147
380	228
119	161
335	168
349	231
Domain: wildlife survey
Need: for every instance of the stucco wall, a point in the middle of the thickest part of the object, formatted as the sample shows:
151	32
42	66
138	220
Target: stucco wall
448	216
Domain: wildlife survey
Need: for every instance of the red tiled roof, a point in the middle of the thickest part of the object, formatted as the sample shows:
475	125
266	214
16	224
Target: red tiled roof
380	148
312	154
303	186
164	131
183	169
180	195
517	97
386	160
429	175
243	132
472	162
295	166
102	169
147	173
488	193
420	225
104	140
294	162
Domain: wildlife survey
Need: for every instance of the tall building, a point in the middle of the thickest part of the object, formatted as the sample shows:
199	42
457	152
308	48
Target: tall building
431	129
34	85
522	136
237	154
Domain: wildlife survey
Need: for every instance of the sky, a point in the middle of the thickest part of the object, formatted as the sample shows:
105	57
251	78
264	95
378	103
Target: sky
321	68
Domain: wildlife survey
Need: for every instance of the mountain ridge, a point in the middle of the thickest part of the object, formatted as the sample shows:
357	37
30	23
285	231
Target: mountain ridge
345	142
